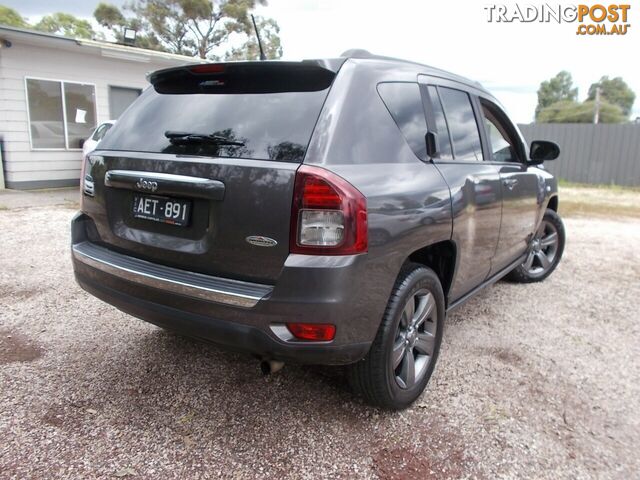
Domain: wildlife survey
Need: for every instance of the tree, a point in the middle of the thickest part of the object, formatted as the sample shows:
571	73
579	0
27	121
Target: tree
557	89
65	24
269	37
614	91
569	111
8	16
111	17
195	27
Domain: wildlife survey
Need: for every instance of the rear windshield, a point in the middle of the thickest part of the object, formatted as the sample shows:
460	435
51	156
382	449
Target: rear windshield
271	126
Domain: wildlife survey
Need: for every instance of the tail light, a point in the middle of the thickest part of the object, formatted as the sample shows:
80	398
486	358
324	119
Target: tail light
86	180
329	215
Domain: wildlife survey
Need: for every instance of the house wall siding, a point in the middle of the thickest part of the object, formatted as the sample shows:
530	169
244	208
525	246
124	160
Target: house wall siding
25	167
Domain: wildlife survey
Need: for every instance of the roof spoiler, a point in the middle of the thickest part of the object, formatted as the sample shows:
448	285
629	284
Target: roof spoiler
246	77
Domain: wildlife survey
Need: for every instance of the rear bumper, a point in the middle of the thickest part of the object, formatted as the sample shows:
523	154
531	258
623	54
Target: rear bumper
238	315
172	280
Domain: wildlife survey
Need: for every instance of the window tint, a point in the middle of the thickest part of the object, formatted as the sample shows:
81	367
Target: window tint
47	101
444	143
462	124
502	146
272	126
405	105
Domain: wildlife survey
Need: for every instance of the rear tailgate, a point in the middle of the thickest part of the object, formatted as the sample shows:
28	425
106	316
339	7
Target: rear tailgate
219	206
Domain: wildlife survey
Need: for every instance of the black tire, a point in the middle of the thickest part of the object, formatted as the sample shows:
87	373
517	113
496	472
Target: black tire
375	377
526	274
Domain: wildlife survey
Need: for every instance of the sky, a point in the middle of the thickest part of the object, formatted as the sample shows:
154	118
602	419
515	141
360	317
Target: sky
509	59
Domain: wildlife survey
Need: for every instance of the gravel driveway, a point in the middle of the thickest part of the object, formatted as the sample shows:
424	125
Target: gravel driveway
533	381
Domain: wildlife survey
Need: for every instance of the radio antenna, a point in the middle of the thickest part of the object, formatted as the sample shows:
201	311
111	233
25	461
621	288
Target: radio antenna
255	27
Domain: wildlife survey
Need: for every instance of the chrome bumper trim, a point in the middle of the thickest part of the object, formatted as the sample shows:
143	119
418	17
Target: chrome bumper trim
190	284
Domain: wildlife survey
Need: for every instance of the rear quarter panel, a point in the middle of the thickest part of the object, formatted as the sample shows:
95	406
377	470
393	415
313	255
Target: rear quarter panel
408	201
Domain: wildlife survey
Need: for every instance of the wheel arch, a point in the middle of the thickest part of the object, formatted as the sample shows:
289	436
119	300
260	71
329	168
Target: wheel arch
439	257
553	203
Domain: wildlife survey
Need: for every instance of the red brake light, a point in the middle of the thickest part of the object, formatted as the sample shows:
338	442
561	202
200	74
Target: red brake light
319	332
317	193
328	216
208	68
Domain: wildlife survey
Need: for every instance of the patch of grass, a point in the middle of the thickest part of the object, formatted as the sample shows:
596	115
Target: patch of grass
586	209
4	207
603	201
611	188
73	205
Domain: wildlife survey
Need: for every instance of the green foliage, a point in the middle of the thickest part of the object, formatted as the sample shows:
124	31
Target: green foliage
11	18
569	111
557	101
65	24
58	23
614	91
269	31
557	89
109	15
193	27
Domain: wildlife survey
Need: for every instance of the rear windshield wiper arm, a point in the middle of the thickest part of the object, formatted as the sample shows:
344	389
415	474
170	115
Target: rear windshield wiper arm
188	137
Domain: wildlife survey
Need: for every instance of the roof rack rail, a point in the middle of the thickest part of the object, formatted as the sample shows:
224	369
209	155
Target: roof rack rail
357	53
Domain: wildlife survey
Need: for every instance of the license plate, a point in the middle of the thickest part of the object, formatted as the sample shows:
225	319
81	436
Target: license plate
172	211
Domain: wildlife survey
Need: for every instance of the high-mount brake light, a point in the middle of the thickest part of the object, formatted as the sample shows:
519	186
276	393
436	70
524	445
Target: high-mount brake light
208	68
328	216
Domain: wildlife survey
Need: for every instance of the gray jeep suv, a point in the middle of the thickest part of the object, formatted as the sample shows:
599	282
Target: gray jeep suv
324	211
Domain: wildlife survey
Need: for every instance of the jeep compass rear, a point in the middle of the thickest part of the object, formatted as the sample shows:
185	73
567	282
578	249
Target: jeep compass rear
316	212
197	214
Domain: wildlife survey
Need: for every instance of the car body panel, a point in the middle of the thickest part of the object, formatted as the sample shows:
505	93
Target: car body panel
257	201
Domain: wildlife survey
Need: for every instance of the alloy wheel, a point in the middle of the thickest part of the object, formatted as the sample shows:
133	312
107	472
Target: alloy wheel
543	249
415	339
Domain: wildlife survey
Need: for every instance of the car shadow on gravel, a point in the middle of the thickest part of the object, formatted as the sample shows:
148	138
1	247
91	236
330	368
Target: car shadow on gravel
197	397
161	362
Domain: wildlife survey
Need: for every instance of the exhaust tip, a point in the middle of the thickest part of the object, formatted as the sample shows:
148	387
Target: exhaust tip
268	367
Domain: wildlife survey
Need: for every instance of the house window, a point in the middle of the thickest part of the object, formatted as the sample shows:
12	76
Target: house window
61	114
120	98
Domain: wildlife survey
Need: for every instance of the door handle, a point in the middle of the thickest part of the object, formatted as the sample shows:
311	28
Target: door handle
510	183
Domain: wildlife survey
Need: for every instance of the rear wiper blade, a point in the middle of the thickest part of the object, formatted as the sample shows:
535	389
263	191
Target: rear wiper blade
188	137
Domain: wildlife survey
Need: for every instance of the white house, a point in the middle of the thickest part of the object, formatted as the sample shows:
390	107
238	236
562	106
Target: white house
53	92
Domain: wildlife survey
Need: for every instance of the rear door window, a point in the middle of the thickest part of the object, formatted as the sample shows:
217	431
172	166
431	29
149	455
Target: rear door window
461	120
270	126
404	102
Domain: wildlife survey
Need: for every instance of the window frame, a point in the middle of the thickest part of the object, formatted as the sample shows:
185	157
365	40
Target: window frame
432	124
510	130
64	112
425	81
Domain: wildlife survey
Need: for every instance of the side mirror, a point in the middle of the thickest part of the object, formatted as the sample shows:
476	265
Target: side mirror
542	150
